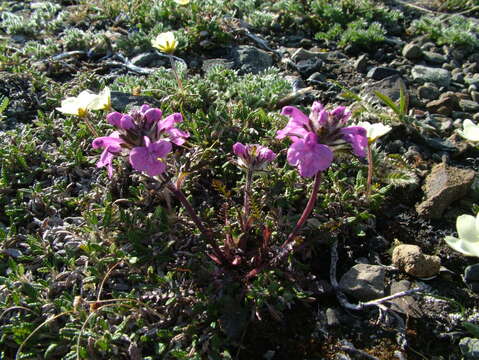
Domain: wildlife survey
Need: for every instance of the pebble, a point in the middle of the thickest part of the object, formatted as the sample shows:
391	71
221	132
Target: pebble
428	91
361	63
444	185
440	77
363	282
434	58
412	51
250	59
469	105
475	95
471	277
411	260
381	72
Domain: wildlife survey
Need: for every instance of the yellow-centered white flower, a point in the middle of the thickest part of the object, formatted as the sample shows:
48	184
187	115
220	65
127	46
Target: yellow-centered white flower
85	101
374	131
182	2
165	42
470	130
467	241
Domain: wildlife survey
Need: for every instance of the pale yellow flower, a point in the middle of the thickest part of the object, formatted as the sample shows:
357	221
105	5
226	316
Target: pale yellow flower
467	241
374	131
102	100
85	101
182	2
165	42
470	131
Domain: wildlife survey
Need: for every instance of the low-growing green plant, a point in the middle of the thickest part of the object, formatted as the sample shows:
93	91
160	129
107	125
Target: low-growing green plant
455	30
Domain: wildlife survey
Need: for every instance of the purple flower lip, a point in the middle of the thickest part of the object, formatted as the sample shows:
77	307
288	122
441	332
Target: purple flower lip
316	137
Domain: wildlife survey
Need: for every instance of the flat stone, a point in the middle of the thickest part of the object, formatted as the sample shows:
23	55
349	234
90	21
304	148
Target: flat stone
405	304
440	77
475	95
250	59
361	63
468	105
381	72
123	101
302	54
411	260
412	52
308	67
469	348
444	105
444	185
434	58
150	58
428	91
363	282
390	86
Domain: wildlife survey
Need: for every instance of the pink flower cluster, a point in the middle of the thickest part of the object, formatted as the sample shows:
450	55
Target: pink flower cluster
142	134
315	138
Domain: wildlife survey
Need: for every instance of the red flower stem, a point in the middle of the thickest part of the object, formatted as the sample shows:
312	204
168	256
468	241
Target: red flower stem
370	169
307	210
247	197
199	224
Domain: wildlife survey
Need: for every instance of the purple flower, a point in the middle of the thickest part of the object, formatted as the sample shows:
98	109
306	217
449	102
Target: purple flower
145	134
147	158
315	138
253	156
112	146
309	156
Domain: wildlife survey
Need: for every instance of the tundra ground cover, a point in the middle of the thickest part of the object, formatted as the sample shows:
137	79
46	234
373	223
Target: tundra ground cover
99	260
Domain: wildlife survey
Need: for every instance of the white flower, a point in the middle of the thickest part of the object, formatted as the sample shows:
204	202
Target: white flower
470	131
374	131
468	232
182	2
165	42
102	100
85	101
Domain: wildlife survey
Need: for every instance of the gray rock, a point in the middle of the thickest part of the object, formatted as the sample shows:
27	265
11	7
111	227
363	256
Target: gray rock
390	86
363	282
468	105
150	58
250	59
444	185
434	58
475	95
123	101
210	63
412	51
361	63
471	273
381	72
411	260
444	105
406	304
302	54
440	77
308	67
469	348
428	91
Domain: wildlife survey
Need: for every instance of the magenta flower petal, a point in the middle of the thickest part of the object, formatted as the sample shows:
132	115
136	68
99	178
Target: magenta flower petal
177	136
309	156
144	108
266	154
114	118
112	145
239	149
357	137
153	115
170	121
126	122
297	125
147	158
341	114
